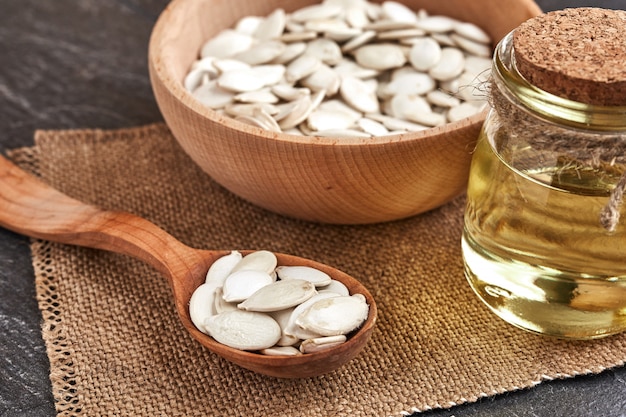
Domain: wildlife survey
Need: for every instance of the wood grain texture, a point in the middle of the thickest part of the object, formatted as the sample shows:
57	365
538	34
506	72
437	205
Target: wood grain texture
30	207
91	83
329	180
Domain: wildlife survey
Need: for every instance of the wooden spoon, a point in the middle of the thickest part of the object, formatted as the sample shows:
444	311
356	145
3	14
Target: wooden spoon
32	208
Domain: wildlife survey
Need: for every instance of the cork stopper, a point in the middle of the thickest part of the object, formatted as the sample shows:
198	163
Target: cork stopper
578	54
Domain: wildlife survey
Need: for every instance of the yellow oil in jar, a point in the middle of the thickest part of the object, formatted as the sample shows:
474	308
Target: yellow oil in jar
534	248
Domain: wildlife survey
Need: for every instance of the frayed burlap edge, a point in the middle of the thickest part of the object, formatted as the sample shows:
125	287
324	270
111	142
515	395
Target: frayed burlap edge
59	347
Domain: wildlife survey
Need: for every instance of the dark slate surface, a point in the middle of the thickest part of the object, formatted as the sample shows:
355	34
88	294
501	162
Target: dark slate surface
82	64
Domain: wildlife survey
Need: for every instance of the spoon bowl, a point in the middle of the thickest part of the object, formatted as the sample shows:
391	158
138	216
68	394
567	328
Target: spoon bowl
32	208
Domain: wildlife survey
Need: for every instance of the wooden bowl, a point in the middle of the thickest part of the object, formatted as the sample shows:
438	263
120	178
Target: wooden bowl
329	180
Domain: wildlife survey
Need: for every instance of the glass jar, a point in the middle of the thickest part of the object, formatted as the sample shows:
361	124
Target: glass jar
544	246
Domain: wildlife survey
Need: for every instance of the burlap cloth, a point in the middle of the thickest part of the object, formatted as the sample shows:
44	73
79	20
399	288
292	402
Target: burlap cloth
116	347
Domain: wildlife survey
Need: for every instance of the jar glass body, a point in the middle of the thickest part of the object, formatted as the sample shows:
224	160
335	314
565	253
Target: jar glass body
544	240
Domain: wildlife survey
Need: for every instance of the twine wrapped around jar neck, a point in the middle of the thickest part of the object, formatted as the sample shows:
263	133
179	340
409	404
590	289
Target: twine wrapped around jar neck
578	149
552	89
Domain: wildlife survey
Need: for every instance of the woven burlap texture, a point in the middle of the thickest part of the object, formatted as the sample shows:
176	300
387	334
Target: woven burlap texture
116	347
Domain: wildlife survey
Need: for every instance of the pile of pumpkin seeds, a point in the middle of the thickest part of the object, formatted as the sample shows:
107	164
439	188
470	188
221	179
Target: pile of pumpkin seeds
344	68
250	303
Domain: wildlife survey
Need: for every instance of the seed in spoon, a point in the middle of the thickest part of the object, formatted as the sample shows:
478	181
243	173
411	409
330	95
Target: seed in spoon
20	200
336	287
279	296
244	330
318	344
242	284
334	316
283	301
317	277
281	351
282	318
201	305
222	268
293	328
261	260
220	304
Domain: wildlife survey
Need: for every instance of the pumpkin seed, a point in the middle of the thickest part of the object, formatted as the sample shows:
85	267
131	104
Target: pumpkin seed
244	330
320	120
240	80
470	46
201	305
398	12
400	34
248	24
436	24
263	95
228	64
372	127
194	78
380	57
293	113
293	328
249	109
277	314
222	267
213	96
327	50
359	51
358	95
393	123
279	295
335	286
388	24
261	260
342	34
324	79
291	52
410	82
259	121
358	41
356	17
462	111
425	54
242	284
301	67
342	133
319	344
222	305
316	12
439	98
272	26
334	316
281	351
226	44
315	276
472	32
450	65
262	53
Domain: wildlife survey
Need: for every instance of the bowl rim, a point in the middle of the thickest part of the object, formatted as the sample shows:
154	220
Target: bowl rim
165	75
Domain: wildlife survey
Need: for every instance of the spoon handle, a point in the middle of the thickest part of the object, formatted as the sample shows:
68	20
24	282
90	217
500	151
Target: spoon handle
32	208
